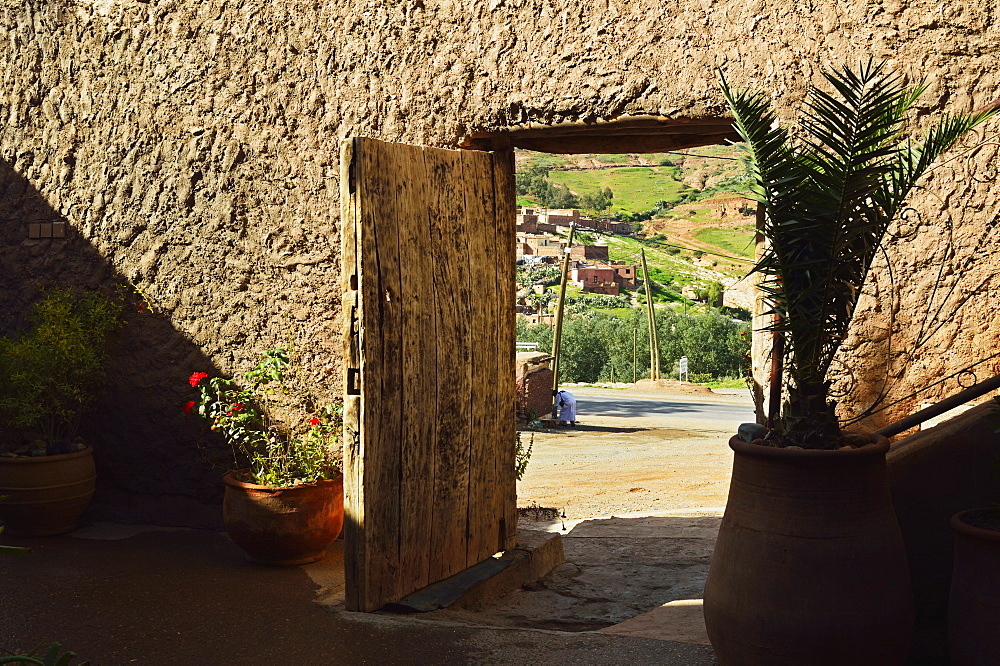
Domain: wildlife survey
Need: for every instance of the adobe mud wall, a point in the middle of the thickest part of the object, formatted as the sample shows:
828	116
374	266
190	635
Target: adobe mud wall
191	147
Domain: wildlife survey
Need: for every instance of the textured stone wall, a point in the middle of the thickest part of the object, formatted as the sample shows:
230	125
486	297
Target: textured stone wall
191	148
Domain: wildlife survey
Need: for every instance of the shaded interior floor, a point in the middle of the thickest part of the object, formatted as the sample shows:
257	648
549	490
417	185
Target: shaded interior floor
189	596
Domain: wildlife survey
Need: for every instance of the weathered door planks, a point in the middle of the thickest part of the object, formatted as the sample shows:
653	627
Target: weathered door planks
419	364
505	192
481	222
452	292
381	373
428	272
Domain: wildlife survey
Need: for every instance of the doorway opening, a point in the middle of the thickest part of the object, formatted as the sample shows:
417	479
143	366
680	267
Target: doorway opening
674	192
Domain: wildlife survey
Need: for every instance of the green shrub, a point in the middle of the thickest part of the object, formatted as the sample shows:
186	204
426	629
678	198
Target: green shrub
51	374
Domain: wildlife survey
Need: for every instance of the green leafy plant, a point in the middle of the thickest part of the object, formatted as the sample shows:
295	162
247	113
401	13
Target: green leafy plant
522	453
261	419
51	374
54	656
829	193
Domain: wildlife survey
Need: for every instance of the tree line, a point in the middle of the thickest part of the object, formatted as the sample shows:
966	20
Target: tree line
534	181
597	346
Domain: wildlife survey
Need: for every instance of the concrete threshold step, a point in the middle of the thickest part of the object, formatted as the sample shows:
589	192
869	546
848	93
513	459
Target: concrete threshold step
535	555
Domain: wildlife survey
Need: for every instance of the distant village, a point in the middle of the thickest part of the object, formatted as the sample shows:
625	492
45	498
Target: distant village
590	267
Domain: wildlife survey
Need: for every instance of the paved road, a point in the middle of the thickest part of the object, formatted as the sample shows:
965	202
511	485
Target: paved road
625	406
604	402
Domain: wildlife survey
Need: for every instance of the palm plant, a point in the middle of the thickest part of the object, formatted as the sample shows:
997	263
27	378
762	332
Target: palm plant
829	193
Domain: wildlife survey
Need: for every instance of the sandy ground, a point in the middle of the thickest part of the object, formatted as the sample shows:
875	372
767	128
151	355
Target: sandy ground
619	465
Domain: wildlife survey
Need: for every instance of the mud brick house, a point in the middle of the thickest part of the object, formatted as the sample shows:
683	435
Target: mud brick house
539	245
596	279
624	274
191	149
594	276
534	221
526	222
610	226
533	379
559	217
589	252
540	319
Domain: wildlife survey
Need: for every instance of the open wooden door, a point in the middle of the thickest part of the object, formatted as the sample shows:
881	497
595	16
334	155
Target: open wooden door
428	262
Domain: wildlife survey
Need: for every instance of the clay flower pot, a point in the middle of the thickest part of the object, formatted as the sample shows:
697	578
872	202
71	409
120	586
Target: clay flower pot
809	566
46	495
974	603
283	526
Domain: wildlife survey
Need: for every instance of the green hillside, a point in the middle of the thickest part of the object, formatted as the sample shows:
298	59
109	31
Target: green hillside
738	241
636	188
639	182
694	231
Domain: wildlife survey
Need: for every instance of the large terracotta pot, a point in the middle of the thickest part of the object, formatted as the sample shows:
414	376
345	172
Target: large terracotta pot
46	494
809	566
283	526
974	604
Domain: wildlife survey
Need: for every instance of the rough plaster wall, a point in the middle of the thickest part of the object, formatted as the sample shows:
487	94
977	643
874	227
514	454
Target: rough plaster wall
192	148
937	310
188	146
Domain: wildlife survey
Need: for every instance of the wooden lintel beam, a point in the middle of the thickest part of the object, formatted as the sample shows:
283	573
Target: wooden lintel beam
643	143
636	134
617	130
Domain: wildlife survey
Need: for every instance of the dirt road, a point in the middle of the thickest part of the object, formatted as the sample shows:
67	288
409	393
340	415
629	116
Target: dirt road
674	461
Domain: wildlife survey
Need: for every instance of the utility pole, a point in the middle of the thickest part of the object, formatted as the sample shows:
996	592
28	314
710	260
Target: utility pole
654	338
635	336
557	336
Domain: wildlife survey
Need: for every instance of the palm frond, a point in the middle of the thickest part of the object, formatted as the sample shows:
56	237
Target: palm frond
829	198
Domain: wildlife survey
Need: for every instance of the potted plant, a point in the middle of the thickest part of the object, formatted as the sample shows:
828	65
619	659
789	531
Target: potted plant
809	566
284	504
50	376
974	599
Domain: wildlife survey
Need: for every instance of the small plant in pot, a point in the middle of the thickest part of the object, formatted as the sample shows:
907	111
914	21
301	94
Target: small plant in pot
809	566
284	505
974	598
50	375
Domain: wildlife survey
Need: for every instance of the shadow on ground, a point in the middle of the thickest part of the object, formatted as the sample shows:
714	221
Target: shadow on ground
582	427
617	570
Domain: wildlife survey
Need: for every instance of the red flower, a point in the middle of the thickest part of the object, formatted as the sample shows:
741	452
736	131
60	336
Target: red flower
196	378
229	413
188	406
237	406
314	421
